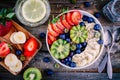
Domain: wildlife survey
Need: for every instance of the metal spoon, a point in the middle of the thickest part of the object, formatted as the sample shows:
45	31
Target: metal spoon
107	41
116	38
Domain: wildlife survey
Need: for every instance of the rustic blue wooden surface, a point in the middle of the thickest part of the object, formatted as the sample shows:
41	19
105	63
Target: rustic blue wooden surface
63	73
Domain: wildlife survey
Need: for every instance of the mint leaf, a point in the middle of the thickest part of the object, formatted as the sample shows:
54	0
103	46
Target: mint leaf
10	15
64	9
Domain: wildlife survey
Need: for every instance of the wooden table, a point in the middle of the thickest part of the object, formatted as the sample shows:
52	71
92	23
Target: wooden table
62	73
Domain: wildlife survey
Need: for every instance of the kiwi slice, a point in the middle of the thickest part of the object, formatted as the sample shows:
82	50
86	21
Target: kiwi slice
32	74
78	34
60	49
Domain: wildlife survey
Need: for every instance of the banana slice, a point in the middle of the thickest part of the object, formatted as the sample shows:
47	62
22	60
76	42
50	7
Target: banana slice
19	37
89	26
11	60
89	57
12	39
17	67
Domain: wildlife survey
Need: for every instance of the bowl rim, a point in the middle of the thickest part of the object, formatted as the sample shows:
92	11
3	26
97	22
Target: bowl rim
102	47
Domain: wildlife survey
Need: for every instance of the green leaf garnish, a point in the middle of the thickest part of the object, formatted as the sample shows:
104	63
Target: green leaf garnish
65	9
10	15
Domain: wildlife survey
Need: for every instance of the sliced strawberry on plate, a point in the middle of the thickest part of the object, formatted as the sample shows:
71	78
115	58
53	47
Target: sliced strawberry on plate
30	46
68	18
51	38
60	26
76	17
4	49
51	31
64	22
56	29
29	53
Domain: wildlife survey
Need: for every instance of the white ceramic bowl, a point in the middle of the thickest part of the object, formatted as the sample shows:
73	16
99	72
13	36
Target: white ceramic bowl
102	37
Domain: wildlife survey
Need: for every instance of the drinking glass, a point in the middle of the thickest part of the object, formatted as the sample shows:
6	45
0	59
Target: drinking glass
112	10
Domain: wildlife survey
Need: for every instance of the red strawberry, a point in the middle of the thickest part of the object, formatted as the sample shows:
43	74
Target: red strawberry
64	22
49	41
5	21
4	49
29	53
51	31
60	26
51	38
56	29
68	18
76	17
30	46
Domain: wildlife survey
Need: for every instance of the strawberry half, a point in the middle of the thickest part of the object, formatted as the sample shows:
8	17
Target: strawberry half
4	49
30	47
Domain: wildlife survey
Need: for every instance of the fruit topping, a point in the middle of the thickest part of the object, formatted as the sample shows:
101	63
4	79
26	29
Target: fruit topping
97	27
5	21
100	41
49	72
72	47
84	18
62	36
42	35
78	34
68	18
51	31
18	52
51	38
60	49
64	22
4	49
18	37
82	24
30	47
87	4
66	30
32	74
76	17
11	60
90	19
46	59
73	64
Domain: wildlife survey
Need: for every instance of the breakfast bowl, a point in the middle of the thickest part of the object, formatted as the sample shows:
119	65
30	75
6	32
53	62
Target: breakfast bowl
75	39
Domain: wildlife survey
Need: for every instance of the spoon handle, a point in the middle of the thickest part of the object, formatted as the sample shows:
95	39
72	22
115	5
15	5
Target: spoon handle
102	64
109	65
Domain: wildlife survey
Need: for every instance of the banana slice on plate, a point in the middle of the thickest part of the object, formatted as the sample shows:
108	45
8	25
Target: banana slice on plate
19	37
12	39
17	67
11	60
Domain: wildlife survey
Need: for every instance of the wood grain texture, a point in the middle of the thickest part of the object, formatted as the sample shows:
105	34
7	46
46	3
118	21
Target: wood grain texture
63	73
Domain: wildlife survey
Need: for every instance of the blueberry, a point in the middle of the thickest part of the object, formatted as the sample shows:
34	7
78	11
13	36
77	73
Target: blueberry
67	63
90	19
84	44
67	35
100	41
18	52
1	59
49	72
78	51
46	59
97	27
72	53
42	35
72	64
62	36
85	18
79	46
82	24
69	58
68	40
97	15
87	4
